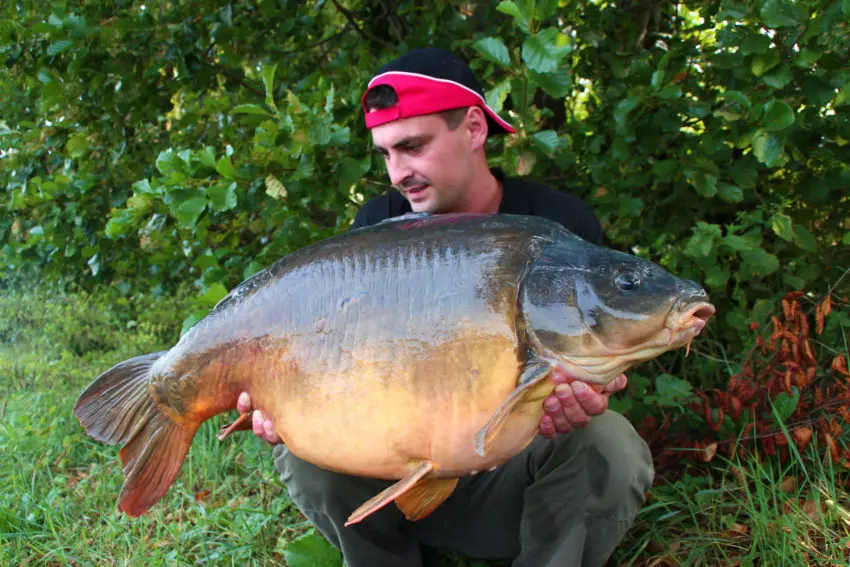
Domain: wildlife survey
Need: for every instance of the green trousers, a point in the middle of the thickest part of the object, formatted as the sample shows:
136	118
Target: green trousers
560	503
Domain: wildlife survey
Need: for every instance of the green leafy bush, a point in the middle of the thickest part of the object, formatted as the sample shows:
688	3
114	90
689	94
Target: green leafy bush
149	145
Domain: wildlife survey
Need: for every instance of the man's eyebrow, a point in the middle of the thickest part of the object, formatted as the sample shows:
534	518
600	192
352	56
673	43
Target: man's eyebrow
407	142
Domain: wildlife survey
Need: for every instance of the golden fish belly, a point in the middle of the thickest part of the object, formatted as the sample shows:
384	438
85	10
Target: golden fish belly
384	415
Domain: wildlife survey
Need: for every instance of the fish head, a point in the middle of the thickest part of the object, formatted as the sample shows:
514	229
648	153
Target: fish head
595	312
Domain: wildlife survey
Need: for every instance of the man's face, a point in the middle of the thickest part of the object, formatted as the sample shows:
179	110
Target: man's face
429	164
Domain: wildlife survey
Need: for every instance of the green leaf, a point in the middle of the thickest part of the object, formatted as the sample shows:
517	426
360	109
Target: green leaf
495	97
755	43
274	188
59	46
191	320
702	243
77	145
511	9
623	108
807	57
143	187
631	207
785	405
251	109
782	13
663	168
312	550
170	164
207	157
845	7
225	168
764	62
730	193
222	196
544	8
717	276
758	262
738	243
780	77
672	391
213	294
777	116
767	147
547	140
805	239
543	51
556	84
268	73
657	79
705	183
494	49
119	223
781	225
189	211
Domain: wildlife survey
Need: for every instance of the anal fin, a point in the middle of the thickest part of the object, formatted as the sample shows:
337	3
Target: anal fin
533	374
391	493
425	497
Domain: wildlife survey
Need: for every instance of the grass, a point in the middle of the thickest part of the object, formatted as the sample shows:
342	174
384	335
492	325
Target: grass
228	507
746	513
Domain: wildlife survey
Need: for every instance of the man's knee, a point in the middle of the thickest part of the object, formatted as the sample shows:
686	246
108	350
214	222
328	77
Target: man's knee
313	488
617	462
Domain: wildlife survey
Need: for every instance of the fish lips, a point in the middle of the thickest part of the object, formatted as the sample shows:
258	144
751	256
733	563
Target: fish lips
689	317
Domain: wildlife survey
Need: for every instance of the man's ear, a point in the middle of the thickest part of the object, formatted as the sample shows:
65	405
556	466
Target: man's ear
476	127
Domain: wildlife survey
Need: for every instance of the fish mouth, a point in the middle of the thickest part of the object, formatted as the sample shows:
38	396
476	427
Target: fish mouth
687	320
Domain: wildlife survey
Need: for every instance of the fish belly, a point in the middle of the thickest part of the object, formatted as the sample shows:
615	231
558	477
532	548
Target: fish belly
390	415
398	355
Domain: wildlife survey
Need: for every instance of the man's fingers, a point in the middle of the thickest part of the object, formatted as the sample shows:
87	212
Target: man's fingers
553	408
547	427
588	400
243	403
617	384
270	434
257	420
574	411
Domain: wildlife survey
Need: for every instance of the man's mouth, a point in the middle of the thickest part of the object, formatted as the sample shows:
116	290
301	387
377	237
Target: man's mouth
412	191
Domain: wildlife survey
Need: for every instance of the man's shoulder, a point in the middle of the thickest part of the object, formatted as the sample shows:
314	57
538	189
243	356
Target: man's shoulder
382	207
538	199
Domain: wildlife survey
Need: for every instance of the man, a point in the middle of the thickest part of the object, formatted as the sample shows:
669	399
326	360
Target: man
567	499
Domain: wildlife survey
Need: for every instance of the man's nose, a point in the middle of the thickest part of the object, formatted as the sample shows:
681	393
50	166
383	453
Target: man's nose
398	169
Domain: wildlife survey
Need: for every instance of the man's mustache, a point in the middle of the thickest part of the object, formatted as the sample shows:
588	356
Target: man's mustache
411	182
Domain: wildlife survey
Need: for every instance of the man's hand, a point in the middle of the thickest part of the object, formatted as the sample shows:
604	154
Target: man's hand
263	428
573	404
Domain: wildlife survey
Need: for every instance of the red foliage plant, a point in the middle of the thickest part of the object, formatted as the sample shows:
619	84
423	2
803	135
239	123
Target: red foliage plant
786	364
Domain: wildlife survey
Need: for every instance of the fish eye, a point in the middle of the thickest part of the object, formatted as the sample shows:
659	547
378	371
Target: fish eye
627	281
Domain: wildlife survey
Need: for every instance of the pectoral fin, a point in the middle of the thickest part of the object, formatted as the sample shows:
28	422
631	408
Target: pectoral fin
425	497
533	374
388	495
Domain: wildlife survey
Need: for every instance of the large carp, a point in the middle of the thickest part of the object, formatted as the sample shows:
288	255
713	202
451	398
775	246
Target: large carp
419	349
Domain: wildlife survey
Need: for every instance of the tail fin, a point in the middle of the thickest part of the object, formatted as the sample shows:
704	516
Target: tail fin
117	409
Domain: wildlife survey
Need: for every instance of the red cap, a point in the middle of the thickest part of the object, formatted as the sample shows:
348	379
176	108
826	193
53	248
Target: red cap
430	80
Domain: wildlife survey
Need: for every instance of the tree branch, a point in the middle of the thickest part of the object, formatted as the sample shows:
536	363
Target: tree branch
344	30
350	17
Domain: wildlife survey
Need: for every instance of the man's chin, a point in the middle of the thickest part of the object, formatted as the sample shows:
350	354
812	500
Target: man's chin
423	206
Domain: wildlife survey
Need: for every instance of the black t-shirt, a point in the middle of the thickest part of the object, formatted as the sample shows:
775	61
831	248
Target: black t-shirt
519	197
